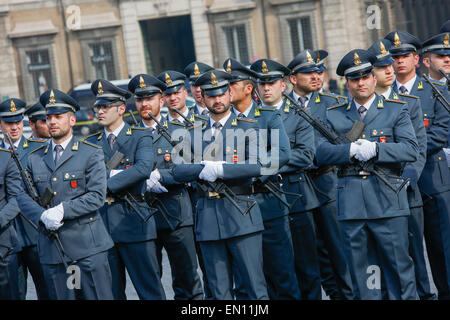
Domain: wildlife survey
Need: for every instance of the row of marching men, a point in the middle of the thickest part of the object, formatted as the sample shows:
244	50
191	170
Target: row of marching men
345	214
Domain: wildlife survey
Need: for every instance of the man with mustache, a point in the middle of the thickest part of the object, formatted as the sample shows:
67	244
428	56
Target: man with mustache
133	236
367	207
174	222
74	171
384	72
11	122
434	182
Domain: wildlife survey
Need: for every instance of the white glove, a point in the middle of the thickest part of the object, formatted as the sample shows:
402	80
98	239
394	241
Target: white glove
353	149
366	151
158	188
52	217
154	179
212	170
114	172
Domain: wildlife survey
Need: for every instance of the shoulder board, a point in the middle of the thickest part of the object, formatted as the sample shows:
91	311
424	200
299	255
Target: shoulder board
397	101
92	145
200	117
92	135
6	150
246	120
407	95
177	123
328	94
38	140
437	82
337	106
37	149
266	109
139	128
202	125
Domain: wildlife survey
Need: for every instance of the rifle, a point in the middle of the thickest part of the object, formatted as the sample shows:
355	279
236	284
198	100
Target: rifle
43	201
446	77
189	122
351	136
437	94
136	123
218	187
127	196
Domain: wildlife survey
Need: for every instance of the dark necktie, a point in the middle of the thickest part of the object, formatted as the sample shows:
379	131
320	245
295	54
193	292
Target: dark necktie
111	140
403	89
361	111
241	115
58	151
205	113
302	101
218	127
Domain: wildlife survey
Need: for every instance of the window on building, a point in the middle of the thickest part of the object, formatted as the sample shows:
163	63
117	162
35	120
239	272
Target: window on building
236	40
101	55
39	67
301	36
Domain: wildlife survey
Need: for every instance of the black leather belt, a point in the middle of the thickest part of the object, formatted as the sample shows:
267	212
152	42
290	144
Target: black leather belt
114	198
314	173
237	190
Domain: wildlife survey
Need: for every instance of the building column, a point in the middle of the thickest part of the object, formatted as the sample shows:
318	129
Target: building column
201	33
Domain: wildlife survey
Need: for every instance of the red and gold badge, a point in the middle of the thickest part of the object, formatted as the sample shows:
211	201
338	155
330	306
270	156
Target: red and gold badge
426	122
74	184
167	157
382	139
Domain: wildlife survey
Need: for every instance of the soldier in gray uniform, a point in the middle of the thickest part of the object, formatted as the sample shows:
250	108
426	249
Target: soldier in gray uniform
71	229
11	115
127	216
367	206
36	116
174	219
193	71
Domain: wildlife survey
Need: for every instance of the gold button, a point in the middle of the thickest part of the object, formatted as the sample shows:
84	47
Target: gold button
54	179
363	136
300	178
398	180
381	132
91	218
424	114
54	193
439	158
364	177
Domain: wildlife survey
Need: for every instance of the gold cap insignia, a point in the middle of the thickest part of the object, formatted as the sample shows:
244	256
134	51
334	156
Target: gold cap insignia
445	43
142	83
397	42
196	70
356	59
13	106
309	58
229	66
382	48
52	98
214	79
318	57
168	80
100	88
264	68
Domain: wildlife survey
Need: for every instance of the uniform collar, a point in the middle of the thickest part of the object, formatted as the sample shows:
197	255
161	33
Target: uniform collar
153	126
387	93
200	109
16	144
367	104
115	132
63	144
246	112
277	105
296	97
185	113
222	121
408	85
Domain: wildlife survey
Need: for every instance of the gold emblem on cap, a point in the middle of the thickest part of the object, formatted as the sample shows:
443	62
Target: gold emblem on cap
397	42
13	106
196	70
214	79
229	66
356	60
318	57
52	98
382	48
100	88
309	58
445	43
142	83
264	68
168	80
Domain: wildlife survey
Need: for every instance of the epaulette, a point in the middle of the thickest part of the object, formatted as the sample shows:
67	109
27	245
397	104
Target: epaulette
328	94
92	145
407	95
266	109
247	120
437	82
177	123
200	117
397	101
337	106
38	140
203	125
37	149
140	128
6	150
92	135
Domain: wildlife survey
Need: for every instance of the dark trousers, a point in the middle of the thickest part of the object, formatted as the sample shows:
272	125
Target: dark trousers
437	238
180	248
90	279
391	244
140	260
307	266
29	261
242	253
333	263
9	277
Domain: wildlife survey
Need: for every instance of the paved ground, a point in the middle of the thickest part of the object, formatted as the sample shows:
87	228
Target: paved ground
167	283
